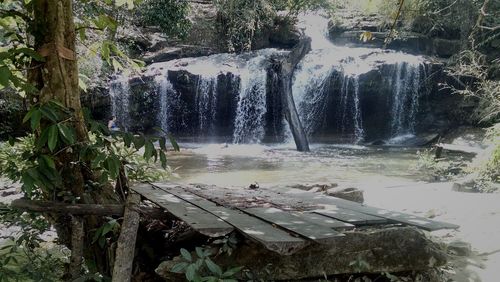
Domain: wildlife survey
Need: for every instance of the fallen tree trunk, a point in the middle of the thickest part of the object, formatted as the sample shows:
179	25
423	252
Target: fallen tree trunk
288	66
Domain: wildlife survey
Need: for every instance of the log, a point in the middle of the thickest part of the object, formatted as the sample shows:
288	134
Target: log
74	209
459	148
125	250
287	69
395	249
84	209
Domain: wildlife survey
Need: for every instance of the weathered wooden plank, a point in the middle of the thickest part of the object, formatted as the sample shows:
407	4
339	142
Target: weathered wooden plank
271	237
125	250
301	226
352	216
324	220
201	221
328	201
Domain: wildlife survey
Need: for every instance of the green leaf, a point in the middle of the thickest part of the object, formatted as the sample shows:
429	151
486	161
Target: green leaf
191	272
179	268
29	114
199	252
148	150
67	133
35	119
139	142
82	33
214	268
163	142
127	139
48	161
231	272
105	52
53	134
49	113
42	140
30	53
5	76
186	255
174	143
113	165
163	160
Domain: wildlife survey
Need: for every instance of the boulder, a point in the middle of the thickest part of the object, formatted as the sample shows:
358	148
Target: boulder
350	194
391	250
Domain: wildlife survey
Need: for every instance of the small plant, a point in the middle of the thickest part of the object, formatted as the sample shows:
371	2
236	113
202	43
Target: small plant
202	268
26	257
360	265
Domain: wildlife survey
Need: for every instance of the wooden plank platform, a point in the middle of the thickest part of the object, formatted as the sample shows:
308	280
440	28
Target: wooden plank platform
201	221
284	220
271	237
301	226
334	203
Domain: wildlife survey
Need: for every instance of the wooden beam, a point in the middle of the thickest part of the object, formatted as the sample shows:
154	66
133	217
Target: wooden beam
125	250
84	209
74	209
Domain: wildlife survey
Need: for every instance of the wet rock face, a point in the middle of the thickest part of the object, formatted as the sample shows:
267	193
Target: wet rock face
347	27
209	111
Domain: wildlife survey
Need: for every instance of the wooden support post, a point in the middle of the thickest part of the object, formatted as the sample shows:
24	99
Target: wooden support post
125	250
77	235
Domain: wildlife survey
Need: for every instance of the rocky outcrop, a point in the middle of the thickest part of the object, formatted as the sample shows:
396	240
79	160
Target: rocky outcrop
204	37
361	251
347	27
438	109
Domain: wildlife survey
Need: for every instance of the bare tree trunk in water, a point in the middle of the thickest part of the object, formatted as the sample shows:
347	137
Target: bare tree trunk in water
287	69
57	79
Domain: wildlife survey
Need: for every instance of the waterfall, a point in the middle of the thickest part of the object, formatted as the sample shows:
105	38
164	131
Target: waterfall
249	124
119	93
166	91
206	101
350	107
405	96
330	70
229	95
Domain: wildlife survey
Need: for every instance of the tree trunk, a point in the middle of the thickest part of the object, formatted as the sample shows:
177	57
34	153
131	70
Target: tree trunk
57	79
287	69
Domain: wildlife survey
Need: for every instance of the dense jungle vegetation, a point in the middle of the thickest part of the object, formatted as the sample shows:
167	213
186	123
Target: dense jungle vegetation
52	52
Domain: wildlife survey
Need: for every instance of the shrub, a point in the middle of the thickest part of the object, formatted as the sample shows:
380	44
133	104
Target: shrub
169	15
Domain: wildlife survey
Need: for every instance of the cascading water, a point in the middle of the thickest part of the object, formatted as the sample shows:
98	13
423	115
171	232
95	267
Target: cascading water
405	96
249	124
166	92
119	92
235	94
206	101
328	65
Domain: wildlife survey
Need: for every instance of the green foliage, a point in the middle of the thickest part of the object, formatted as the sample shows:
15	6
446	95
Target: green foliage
107	232
169	15
242	21
27	257
471	63
202	268
489	169
33	160
12	111
433	169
